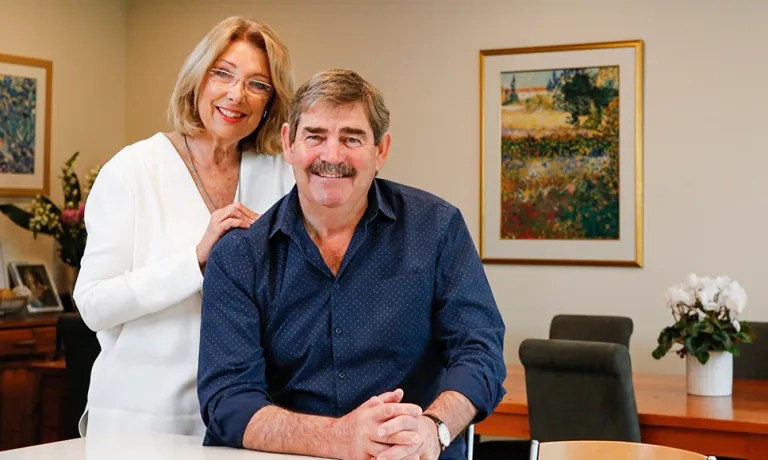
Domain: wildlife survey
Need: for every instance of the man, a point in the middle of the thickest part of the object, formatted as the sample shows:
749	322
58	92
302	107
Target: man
350	306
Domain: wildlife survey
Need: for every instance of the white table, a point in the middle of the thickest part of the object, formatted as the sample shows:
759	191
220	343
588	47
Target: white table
138	447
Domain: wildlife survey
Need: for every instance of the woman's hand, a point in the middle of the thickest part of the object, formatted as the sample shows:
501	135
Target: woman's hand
222	220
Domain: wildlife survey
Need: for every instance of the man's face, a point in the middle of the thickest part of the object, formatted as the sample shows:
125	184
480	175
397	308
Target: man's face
334	157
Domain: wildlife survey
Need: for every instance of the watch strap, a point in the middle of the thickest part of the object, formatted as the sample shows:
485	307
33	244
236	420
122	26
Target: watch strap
439	425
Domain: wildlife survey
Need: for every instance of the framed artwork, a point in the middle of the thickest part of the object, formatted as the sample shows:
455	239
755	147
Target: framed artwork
25	125
561	147
43	296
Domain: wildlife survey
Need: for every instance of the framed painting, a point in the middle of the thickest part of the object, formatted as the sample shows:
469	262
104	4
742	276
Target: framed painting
43	296
25	125
561	158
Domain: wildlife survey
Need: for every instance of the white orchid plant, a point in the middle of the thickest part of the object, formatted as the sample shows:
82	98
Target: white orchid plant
706	312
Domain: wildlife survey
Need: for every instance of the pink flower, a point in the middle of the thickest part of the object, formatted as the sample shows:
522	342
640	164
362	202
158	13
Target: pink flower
71	217
81	212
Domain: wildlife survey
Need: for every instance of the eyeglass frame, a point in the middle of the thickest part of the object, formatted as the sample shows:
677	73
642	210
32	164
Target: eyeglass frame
218	72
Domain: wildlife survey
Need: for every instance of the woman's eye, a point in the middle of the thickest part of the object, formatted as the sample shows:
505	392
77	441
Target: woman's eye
222	75
259	87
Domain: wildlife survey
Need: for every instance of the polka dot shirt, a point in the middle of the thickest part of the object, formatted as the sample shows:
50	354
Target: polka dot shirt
410	308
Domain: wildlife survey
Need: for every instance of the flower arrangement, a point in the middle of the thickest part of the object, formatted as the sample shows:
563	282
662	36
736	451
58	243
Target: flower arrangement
706	312
65	224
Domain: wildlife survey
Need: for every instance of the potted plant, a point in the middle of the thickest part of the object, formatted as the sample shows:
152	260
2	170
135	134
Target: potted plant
65	224
706	312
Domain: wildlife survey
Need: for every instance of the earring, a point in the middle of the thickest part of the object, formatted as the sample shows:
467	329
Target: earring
264	115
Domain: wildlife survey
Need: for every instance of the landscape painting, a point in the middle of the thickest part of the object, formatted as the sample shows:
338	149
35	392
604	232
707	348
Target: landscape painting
25	93
561	146
559	154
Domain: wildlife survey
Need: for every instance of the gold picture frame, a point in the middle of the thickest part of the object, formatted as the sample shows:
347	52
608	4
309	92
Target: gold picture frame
25	125
561	154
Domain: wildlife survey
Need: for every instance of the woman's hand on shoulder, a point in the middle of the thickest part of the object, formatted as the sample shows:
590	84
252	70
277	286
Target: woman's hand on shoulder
235	215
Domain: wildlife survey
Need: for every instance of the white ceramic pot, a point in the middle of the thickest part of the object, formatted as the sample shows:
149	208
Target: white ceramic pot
712	379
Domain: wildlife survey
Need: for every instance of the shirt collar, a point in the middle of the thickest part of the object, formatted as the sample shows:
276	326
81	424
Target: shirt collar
289	212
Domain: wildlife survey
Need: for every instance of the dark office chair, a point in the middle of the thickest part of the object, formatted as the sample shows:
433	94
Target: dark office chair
80	350
751	362
592	328
579	390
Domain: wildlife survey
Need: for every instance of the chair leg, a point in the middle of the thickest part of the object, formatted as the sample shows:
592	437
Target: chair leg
534	449
470	441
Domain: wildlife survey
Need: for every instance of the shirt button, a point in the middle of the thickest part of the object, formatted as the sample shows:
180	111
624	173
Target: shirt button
337	330
336	287
342	375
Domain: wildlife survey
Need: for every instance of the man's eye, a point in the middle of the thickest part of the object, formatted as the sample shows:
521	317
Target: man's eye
313	140
351	142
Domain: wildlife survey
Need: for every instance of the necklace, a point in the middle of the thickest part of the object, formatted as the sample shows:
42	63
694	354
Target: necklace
199	182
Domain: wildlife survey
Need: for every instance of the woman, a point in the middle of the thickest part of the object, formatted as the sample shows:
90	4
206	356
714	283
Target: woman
156	210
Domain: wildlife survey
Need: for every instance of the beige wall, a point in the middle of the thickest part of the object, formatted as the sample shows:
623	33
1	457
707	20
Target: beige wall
705	99
704	104
85	40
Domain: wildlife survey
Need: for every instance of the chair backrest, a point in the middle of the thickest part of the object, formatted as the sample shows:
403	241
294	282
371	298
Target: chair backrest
579	390
592	328
751	362
80	350
589	450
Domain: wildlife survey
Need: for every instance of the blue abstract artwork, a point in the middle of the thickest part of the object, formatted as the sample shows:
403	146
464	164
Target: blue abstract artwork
18	105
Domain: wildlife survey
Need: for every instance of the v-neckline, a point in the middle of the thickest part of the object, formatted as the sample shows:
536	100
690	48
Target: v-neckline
189	176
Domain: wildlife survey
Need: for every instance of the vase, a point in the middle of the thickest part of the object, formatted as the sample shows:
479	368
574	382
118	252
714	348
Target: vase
712	379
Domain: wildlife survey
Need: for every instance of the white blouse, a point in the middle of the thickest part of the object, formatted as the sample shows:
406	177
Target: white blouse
139	285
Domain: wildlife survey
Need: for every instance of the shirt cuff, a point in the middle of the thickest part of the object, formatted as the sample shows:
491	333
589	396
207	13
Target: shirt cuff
474	384
231	417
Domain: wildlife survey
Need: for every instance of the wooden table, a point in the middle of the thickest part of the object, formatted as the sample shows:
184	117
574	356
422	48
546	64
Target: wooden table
735	426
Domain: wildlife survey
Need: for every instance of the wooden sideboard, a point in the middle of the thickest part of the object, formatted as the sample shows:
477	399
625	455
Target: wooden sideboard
31	384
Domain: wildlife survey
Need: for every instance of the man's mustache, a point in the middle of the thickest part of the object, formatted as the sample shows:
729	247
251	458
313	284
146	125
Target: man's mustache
323	168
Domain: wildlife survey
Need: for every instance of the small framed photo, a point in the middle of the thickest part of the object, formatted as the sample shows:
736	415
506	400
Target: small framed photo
43	296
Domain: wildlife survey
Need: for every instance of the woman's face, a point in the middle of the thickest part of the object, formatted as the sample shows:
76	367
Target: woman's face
230	112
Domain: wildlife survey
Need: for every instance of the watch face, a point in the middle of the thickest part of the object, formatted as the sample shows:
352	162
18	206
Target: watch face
443	434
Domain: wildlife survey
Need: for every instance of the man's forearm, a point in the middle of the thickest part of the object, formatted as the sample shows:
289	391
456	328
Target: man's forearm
454	409
274	429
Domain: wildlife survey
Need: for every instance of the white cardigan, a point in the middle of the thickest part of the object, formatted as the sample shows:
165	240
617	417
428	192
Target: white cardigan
139	285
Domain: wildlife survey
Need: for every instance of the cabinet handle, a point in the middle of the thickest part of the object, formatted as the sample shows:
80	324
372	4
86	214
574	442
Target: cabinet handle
24	344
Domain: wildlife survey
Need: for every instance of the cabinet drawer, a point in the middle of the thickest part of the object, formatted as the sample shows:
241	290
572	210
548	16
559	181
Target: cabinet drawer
20	342
45	338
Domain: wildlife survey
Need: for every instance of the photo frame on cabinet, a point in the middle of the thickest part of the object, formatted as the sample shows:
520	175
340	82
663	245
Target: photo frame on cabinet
43	295
561	144
25	125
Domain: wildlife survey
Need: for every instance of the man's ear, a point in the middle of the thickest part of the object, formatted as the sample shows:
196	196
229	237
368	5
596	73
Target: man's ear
285	136
382	150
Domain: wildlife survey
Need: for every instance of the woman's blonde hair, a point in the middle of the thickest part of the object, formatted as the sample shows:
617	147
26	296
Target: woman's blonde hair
183	110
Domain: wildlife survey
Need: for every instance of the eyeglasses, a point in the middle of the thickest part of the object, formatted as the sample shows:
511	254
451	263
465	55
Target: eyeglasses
255	88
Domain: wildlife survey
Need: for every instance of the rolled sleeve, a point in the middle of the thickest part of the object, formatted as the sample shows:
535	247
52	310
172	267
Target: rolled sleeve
468	326
231	371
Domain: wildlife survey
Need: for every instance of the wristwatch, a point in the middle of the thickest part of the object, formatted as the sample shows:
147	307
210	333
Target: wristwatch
443	434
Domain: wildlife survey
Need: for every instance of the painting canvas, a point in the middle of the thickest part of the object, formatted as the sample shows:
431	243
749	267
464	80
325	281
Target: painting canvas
43	296
561	155
25	93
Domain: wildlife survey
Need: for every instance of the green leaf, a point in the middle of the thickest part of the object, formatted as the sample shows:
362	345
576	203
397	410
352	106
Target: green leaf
17	215
702	356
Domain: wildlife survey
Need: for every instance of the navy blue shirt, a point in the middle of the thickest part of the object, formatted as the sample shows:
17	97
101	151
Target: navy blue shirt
410	308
